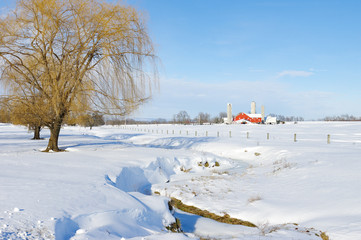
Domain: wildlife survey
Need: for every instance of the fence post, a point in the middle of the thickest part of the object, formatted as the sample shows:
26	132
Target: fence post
267	136
206	133
247	135
294	138
230	134
328	139
195	133
173	132
187	132
217	134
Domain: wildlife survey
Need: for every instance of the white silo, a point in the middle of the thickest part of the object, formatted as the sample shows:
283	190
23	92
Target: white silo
262	112
229	113
253	107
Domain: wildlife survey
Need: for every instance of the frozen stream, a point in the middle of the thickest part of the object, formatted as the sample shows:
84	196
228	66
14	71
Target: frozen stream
101	187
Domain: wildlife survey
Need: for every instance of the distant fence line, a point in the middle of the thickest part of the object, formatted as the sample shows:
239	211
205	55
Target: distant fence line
206	133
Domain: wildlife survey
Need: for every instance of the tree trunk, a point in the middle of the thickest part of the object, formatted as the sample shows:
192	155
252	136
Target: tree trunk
37	133
53	140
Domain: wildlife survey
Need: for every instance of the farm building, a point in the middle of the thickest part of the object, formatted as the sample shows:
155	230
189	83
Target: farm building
271	120
254	118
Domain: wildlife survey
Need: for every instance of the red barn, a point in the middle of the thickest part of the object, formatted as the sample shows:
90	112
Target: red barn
254	118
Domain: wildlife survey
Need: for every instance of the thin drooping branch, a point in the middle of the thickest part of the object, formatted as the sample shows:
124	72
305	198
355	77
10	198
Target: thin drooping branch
68	52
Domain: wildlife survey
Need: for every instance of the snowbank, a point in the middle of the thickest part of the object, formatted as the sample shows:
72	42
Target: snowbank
103	186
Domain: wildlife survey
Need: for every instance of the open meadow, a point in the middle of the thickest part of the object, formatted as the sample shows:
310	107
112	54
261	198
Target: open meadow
293	181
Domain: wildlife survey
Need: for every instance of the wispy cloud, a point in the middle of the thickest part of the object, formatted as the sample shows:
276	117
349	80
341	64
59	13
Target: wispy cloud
294	73
277	97
4	11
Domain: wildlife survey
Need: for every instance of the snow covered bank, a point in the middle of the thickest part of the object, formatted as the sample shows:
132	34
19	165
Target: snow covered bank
77	194
100	188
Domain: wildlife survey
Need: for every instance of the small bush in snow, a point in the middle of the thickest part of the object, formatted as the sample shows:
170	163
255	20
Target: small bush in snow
254	198
324	236
183	169
175	227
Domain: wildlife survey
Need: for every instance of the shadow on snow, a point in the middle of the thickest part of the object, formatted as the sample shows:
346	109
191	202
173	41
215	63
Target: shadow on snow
164	143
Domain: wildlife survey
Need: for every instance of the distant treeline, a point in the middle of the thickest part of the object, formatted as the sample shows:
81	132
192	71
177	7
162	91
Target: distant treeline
344	117
97	119
84	119
287	118
202	118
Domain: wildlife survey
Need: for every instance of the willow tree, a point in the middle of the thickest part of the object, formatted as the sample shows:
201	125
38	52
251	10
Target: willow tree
27	111
5	115
68	52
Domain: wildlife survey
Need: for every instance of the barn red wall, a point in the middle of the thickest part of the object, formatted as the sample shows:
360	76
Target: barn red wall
248	118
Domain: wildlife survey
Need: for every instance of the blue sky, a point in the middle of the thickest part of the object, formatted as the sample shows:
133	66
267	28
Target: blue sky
299	58
295	57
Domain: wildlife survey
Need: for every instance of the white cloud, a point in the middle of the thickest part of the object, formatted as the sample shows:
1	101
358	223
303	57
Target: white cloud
4	11
197	96
212	97
294	73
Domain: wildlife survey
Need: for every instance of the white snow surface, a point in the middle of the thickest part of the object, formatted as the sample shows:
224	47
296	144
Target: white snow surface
114	182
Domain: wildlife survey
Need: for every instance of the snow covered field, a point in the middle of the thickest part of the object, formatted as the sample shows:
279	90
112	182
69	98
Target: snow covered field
115	182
